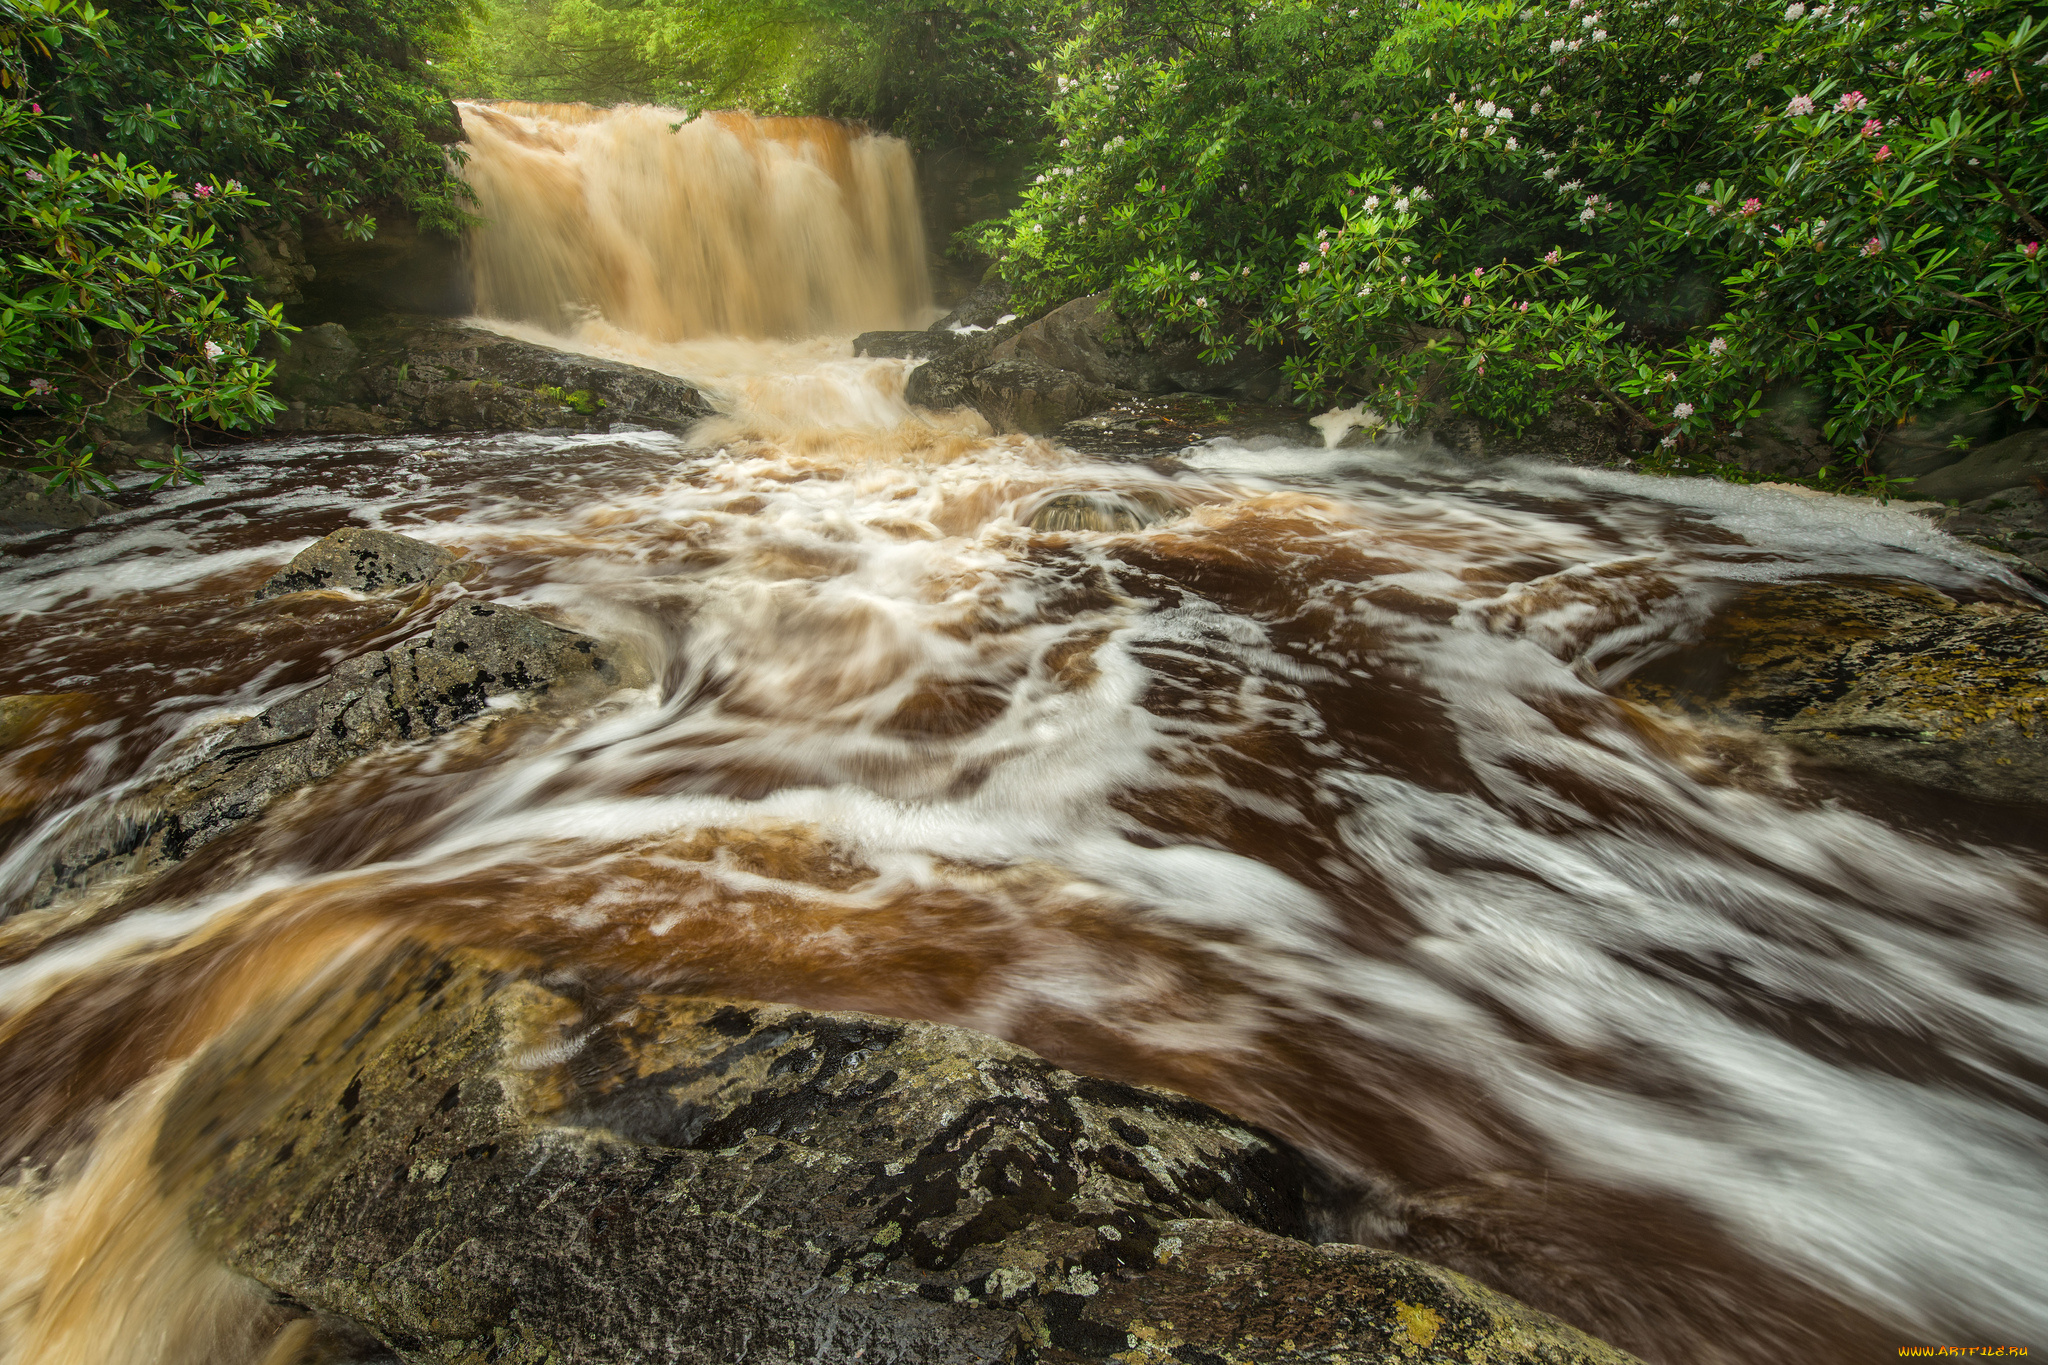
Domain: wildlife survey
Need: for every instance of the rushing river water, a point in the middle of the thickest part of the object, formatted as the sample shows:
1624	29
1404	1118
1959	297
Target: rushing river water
1308	800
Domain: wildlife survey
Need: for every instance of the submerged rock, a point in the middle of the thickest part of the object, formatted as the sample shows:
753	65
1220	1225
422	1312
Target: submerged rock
402	373
412	691
1100	511
1893	679
472	1165
363	560
28	506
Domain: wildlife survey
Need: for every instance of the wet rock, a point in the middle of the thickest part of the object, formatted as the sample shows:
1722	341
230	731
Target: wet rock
1089	338
1100	511
472	1165
1142	427
943	381
413	691
397	374
985	307
1892	679
2018	463
27	506
907	345
364	561
1022	395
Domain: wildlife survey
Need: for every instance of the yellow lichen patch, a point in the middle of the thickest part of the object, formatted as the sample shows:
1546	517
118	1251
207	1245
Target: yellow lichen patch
1420	1321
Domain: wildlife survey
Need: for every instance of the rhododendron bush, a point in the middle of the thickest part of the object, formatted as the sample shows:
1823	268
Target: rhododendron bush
1662	208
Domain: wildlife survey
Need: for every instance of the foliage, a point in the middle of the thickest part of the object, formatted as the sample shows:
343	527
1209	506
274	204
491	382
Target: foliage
953	72
114	287
1665	206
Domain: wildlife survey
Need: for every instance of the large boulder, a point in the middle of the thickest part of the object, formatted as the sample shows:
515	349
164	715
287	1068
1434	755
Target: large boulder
1891	679
1088	338
413	691
475	1162
28	506
1021	395
2020	461
400	373
1154	425
363	560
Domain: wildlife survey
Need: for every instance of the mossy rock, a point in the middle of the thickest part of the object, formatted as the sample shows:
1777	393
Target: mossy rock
1893	679
473	1161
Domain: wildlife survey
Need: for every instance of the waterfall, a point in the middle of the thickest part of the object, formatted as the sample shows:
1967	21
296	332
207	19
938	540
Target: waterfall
677	227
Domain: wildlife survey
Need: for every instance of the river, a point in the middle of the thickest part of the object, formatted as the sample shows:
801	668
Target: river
1310	800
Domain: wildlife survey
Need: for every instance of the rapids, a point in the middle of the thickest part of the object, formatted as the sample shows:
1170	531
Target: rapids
1309	800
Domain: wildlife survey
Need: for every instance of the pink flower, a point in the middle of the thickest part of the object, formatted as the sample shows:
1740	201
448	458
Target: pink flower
1302	269
1524	308
1978	77
1800	106
39	387
201	191
1852	102
2031	250
35	177
1553	258
1872	126
1713	209
1750	206
1872	247
1468	300
1323	247
1883	153
35	108
1478	272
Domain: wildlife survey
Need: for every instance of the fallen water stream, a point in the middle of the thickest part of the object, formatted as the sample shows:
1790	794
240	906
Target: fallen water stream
1309	800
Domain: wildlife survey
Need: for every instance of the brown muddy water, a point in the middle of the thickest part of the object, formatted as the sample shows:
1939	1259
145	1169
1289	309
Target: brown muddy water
1307	800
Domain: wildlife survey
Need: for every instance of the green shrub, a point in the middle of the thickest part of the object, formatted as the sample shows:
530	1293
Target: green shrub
1485	207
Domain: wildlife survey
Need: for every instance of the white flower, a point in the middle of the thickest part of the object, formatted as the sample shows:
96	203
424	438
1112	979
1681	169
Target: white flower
1701	188
1799	106
1599	35
1486	109
1718	346
1194	276
1586	215
1589	21
1793	13
1302	269
213	350
1550	172
1201	303
1671	21
1756	59
1363	290
1379	124
1557	44
1513	146
1506	115
1372	203
1544	91
1682	411
1574	184
1491	129
1400	206
1695	78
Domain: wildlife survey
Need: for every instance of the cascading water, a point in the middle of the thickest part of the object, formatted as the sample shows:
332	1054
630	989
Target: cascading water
1299	798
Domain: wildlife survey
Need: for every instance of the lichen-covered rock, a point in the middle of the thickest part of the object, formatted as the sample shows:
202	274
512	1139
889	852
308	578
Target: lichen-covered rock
1889	678
362	560
28	506
412	691
402	373
476	1166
